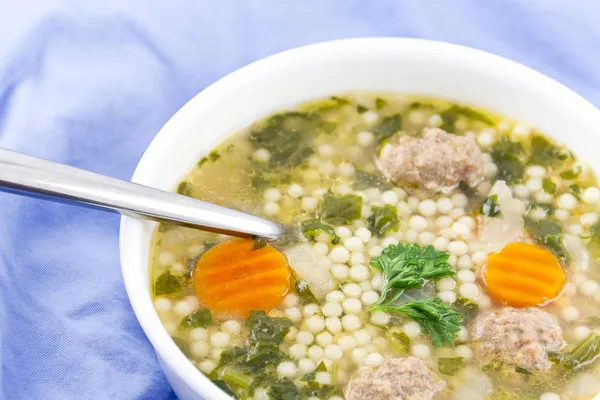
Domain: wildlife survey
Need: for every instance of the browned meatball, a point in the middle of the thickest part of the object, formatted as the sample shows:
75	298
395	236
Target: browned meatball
518	337
437	161
395	378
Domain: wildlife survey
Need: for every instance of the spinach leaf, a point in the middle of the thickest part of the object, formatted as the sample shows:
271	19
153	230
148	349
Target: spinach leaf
287	138
259	242
364	180
408	266
212	156
544	153
185	188
383	219
281	389
166	284
467	308
312	228
253	359
571	173
361	109
549	186
399	341
303	290
340	210
454	112
450	365
328	126
523	371
508	157
197	319
380	103
491	207
265	329
265	178
548	233
387	127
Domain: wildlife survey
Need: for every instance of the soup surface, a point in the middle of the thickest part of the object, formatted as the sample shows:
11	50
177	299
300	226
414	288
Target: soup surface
435	251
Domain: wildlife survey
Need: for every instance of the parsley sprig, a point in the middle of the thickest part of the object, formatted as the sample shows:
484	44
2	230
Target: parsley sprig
406	266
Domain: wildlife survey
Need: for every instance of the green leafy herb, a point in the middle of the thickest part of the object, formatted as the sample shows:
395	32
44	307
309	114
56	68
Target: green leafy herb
214	156
259	242
571	173
454	112
312	228
185	188
548	233
549	186
364	180
408	266
340	210
576	190
450	365
236	381
399	341
544	153
166	284
321	367
197	319
265	178
387	127
523	371
441	322
328	126
265	329
266	334
380	103
182	344
361	109
508	157
332	103
283	389
547	207
467	308
287	137
303	290
383	219
223	386
491	207
584	353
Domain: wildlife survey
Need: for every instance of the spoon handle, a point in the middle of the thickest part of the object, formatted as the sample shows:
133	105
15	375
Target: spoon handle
28	175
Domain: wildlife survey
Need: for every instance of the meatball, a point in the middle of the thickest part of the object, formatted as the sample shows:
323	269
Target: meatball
395	378
438	161
518	337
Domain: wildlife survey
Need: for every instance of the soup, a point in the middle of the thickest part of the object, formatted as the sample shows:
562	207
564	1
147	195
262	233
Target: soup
435	251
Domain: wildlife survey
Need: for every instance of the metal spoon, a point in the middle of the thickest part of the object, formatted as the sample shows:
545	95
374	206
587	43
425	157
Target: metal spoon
35	177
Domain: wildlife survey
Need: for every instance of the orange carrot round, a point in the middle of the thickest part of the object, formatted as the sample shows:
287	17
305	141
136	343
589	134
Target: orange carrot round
232	277
523	275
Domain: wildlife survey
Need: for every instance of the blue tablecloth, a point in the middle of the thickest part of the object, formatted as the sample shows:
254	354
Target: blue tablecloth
90	84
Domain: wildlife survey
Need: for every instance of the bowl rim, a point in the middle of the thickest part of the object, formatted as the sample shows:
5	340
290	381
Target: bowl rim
136	288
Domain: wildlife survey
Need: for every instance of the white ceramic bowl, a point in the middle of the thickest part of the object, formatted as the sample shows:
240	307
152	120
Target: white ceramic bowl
283	80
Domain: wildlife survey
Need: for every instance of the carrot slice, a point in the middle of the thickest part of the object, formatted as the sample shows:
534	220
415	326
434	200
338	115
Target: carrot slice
523	275
232	277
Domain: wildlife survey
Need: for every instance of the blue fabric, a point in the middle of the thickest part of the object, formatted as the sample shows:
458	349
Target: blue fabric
90	84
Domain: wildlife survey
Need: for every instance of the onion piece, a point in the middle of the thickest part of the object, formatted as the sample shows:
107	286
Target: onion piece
497	232
302	261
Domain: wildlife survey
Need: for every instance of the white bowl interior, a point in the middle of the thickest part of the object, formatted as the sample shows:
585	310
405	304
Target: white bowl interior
379	64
